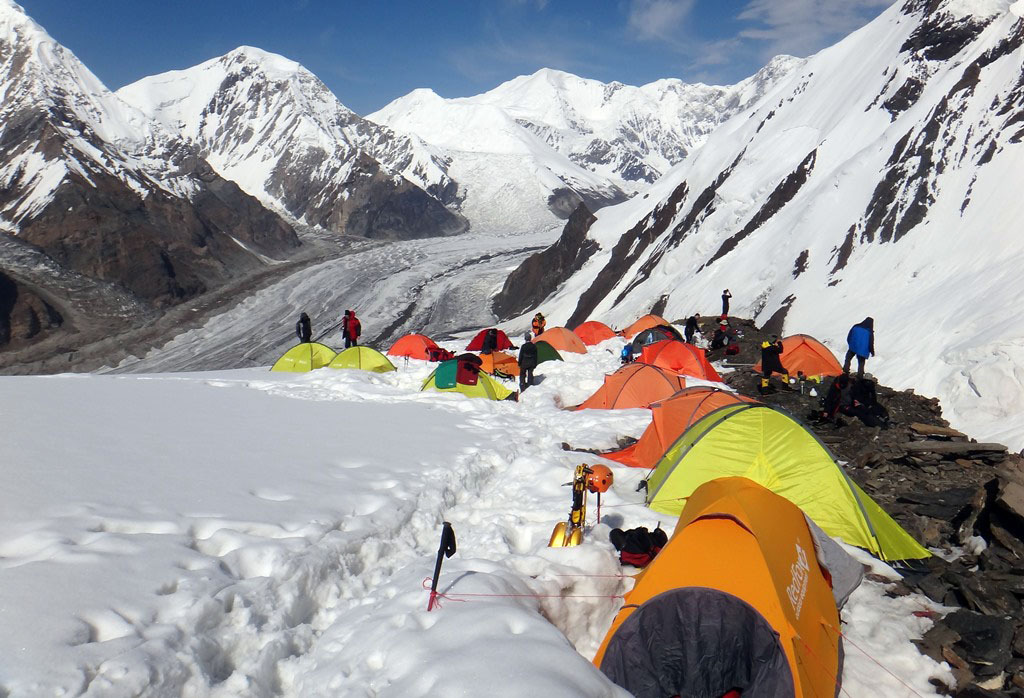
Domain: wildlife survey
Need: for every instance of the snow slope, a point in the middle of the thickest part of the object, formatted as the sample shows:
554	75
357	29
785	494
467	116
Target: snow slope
880	179
247	533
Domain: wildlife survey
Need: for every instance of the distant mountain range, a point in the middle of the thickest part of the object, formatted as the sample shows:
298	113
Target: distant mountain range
567	138
116	205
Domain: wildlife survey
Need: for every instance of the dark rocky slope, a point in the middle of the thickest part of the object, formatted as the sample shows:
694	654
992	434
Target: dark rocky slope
950	493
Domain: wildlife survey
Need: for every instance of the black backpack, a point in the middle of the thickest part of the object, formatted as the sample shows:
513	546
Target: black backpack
638	546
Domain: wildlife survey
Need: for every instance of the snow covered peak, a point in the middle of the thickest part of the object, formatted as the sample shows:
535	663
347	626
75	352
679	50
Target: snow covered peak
628	135
38	71
274	128
252	83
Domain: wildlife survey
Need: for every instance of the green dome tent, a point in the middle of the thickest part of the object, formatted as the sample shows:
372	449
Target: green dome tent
447	378
363	358
304	357
546	352
771	448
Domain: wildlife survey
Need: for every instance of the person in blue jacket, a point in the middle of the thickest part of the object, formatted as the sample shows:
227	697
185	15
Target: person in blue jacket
861	343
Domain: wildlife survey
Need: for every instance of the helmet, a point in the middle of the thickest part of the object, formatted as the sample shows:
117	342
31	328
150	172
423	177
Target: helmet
599	479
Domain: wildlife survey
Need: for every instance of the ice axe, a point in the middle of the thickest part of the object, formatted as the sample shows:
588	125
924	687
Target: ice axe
446	549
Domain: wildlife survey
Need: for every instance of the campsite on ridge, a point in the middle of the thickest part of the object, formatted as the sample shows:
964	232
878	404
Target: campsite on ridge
520	437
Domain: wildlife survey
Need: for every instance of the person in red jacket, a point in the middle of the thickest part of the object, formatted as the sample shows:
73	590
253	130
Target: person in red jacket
351	329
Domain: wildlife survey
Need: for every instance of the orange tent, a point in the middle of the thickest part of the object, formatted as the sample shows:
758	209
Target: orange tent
634	385
501	362
681	357
414	346
646	322
594	332
803	353
669	419
562	339
736	599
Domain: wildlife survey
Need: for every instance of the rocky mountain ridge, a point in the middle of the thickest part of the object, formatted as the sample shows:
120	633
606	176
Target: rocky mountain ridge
270	125
106	195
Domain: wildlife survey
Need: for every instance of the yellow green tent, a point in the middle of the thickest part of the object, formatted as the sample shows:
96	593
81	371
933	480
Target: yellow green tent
443	379
771	448
364	358
304	357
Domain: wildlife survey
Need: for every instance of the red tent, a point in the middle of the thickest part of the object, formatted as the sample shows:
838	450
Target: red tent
478	342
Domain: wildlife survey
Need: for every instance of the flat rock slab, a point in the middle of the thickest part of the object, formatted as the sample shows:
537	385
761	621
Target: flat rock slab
935	430
956	447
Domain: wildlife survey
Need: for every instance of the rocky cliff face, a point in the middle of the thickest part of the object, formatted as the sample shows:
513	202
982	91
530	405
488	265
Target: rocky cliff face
270	125
23	314
541	273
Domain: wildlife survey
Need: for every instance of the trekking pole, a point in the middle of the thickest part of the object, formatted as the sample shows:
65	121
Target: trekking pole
447	549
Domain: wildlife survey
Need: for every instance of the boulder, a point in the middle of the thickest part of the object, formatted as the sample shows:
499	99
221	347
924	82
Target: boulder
984	640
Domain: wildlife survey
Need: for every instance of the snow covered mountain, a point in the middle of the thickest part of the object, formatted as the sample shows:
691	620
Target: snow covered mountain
537	145
97	202
270	125
881	178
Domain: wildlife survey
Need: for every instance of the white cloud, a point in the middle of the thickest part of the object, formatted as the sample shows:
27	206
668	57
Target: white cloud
659	19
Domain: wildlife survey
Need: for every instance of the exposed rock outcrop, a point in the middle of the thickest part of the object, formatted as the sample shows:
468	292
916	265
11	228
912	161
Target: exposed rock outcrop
542	272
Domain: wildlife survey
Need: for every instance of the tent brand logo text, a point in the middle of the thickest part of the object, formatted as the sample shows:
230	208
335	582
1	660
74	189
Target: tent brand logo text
797	588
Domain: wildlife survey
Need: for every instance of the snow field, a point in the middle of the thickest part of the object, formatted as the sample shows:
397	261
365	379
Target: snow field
242	533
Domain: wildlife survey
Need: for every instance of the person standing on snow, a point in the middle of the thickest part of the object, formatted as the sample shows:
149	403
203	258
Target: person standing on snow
725	303
861	343
490	343
304	329
527	362
692	327
771	351
538	324
351	329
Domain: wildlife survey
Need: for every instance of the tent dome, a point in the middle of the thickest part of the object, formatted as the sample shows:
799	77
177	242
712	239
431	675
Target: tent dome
770	447
594	332
456	376
804	354
499	362
477	342
546	352
304	357
658	333
363	358
736	599
680	357
562	339
634	385
413	346
642	324
670	418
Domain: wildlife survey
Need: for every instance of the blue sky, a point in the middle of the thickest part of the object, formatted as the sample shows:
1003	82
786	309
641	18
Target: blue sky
372	51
